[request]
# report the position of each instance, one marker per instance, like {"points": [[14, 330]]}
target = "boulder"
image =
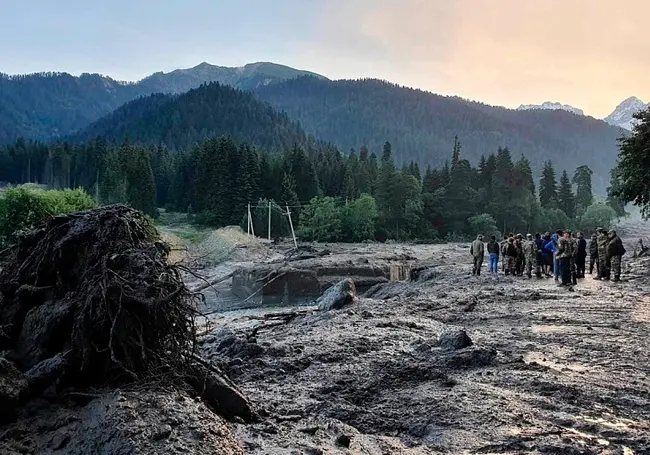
{"points": [[454, 339], [341, 294], [46, 329], [45, 373], [13, 385]]}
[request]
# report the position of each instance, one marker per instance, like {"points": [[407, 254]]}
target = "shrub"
{"points": [[321, 221], [598, 215], [24, 208]]}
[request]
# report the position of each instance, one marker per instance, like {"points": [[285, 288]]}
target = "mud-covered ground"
{"points": [[550, 370]]}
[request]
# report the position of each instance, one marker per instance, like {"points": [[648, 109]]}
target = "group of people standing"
{"points": [[560, 255]]}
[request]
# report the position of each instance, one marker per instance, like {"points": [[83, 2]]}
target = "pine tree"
{"points": [[385, 180], [141, 186], [613, 193], [387, 153], [455, 157], [526, 174], [428, 181], [349, 189], [548, 190], [501, 205], [415, 171], [566, 198], [288, 195], [349, 192], [584, 196], [304, 174], [268, 183]]}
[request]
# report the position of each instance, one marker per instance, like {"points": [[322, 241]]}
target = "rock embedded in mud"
{"points": [[454, 339], [45, 329], [13, 385], [338, 296]]}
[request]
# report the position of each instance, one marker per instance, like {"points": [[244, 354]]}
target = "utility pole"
{"points": [[269, 227], [293, 233], [250, 217], [248, 220]]}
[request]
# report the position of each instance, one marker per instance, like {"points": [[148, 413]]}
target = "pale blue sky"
{"points": [[588, 53]]}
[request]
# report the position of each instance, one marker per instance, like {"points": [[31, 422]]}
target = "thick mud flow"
{"points": [[547, 371]]}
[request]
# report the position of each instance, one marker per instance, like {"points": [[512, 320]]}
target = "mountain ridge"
{"points": [[552, 105], [50, 106], [183, 121], [623, 115]]}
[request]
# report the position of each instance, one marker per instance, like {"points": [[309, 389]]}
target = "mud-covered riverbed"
{"points": [[550, 371]]}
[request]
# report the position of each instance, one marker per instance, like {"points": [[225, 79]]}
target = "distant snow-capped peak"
{"points": [[551, 106], [624, 112]]}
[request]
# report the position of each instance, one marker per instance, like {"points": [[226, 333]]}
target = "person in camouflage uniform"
{"points": [[520, 262], [593, 253], [564, 254], [573, 259], [504, 252], [603, 263], [530, 256], [615, 252], [511, 256]]}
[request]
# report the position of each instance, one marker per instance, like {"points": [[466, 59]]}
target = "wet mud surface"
{"points": [[548, 371]]}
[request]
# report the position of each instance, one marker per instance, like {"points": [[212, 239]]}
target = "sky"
{"points": [[591, 54]]}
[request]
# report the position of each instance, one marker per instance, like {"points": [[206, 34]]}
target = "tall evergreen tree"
{"points": [[566, 198], [584, 196], [288, 195], [455, 156], [526, 174], [304, 174], [428, 181], [614, 199], [548, 190], [140, 183], [385, 188]]}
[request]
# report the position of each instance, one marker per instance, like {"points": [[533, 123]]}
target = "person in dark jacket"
{"points": [[603, 257], [593, 253], [547, 256], [494, 250], [581, 256], [615, 252]]}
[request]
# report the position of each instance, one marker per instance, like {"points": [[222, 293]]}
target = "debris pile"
{"points": [[89, 300]]}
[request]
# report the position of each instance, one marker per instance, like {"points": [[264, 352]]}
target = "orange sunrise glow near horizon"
{"points": [[591, 54]]}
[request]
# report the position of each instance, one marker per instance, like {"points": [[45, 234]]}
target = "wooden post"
{"points": [[269, 220], [293, 233], [248, 222]]}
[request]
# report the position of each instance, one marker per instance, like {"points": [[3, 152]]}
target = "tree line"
{"points": [[332, 196]]}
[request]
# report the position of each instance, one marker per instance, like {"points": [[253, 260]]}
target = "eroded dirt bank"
{"points": [[550, 371]]}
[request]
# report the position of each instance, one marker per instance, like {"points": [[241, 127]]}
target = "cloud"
{"points": [[591, 53]]}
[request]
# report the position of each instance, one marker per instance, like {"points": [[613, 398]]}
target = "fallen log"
{"points": [[219, 392], [212, 282]]}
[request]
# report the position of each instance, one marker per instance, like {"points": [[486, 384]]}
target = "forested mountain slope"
{"points": [[49, 106], [182, 121], [422, 126]]}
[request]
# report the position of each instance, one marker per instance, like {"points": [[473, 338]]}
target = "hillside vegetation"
{"points": [[422, 126]]}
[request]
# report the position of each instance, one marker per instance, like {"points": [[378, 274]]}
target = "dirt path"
{"points": [[550, 371]]}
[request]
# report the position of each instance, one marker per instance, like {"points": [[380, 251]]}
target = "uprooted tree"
{"points": [[89, 300]]}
